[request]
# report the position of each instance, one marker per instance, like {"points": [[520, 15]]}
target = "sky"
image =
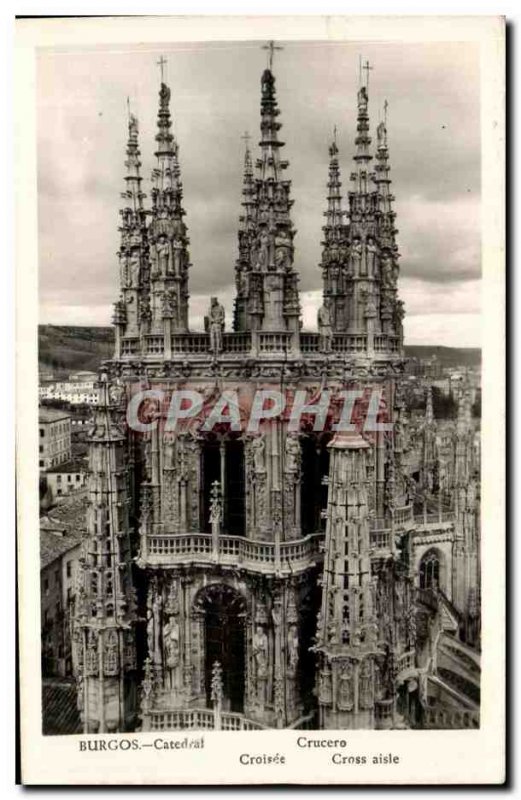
{"points": [[433, 92]]}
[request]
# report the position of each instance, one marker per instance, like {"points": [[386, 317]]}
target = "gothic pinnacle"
{"points": [[334, 214], [133, 164], [429, 412]]}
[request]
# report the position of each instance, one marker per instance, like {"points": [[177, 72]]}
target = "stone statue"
{"points": [[177, 244], [216, 317], [163, 254], [293, 645], [324, 326], [134, 263], [260, 652], [280, 194], [371, 254], [370, 306], [282, 250], [334, 274], [116, 394], [293, 455], [365, 685], [356, 255], [169, 451], [258, 447], [153, 628], [242, 283], [263, 243], [325, 689], [381, 135], [91, 655], [362, 98], [169, 303], [171, 643], [147, 685], [388, 281], [282, 260], [345, 688]]}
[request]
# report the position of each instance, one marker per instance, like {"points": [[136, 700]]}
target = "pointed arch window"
{"points": [[430, 570]]}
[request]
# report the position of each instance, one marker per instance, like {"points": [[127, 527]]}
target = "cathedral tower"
{"points": [[268, 290], [254, 576], [104, 650], [335, 246]]}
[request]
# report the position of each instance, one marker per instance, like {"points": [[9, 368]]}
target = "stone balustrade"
{"points": [[264, 343], [198, 719], [406, 662], [450, 718], [267, 557], [299, 554]]}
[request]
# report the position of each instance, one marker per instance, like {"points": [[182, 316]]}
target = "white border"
{"points": [[429, 756]]}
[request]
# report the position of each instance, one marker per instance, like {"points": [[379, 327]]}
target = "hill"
{"points": [[447, 356], [64, 348]]}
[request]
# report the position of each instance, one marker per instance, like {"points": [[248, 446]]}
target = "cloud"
{"points": [[434, 132]]}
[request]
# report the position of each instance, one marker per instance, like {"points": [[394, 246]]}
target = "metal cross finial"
{"points": [[367, 68], [386, 106], [161, 64], [271, 47], [128, 107], [246, 138], [334, 133]]}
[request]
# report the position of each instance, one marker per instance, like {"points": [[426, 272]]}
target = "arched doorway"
{"points": [[223, 610]]}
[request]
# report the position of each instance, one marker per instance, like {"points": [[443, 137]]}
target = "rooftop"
{"points": [[74, 465], [54, 544], [46, 414], [62, 528]]}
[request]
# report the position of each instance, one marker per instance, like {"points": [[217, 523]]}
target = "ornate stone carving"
{"points": [[366, 685], [325, 687], [110, 652], [293, 456], [345, 688]]}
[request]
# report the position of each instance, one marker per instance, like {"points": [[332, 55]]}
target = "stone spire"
{"points": [[464, 421], [363, 626], [271, 282], [334, 245], [347, 629], [463, 439], [391, 309], [246, 237], [429, 452], [168, 237], [429, 411], [104, 654], [133, 252], [363, 299]]}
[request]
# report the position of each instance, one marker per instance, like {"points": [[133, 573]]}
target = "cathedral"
{"points": [[315, 576]]}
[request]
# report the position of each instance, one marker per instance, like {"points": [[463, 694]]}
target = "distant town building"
{"points": [[79, 392], [61, 533], [54, 436], [66, 478], [83, 376], [45, 375]]}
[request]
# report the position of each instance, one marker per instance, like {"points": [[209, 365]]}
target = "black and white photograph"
{"points": [[259, 350]]}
